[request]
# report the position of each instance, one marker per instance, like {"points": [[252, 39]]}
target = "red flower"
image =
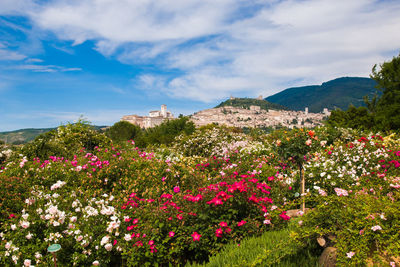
{"points": [[196, 236], [284, 216]]}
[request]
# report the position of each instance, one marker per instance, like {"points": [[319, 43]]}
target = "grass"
{"points": [[273, 248]]}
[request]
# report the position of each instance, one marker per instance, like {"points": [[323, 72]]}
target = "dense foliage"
{"points": [[123, 131], [382, 113]]}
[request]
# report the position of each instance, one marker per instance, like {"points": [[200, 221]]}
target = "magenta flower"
{"points": [[218, 232], [223, 224], [196, 236], [171, 234], [241, 223], [177, 189]]}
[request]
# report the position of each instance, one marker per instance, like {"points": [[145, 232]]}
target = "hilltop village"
{"points": [[258, 118], [252, 116]]}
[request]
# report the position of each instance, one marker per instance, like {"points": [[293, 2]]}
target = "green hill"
{"points": [[338, 93], [247, 102], [23, 136]]}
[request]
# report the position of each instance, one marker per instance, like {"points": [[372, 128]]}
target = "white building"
{"points": [[156, 117]]}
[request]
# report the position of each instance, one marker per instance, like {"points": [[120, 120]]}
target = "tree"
{"points": [[387, 115], [356, 118], [122, 131]]}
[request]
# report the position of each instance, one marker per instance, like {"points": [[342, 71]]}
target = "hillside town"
{"points": [[258, 118], [253, 116]]}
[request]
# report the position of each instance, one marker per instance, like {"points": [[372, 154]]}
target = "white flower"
{"points": [[52, 210], [79, 238], [27, 262], [350, 254], [73, 219], [15, 258], [108, 247], [8, 245], [96, 263], [57, 185], [267, 222], [376, 228], [107, 210], [38, 255], [24, 224], [28, 236], [104, 240], [25, 216], [274, 207], [56, 223], [127, 237]]}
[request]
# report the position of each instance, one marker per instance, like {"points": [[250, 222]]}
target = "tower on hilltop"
{"points": [[164, 111]]}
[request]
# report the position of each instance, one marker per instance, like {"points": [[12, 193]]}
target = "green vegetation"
{"points": [[65, 141], [123, 131], [166, 132], [335, 94], [247, 102], [382, 113], [273, 248]]}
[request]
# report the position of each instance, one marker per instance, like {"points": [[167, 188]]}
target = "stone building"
{"points": [[156, 117]]}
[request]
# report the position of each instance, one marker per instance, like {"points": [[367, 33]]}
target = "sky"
{"points": [[102, 59]]}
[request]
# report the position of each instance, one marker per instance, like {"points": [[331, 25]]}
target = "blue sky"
{"points": [[60, 59]]}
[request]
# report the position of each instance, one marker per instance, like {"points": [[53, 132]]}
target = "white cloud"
{"points": [[14, 7], [215, 48], [7, 54]]}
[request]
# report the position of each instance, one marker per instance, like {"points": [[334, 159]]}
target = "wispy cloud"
{"points": [[44, 68]]}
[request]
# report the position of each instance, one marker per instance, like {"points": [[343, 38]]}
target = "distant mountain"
{"points": [[338, 93], [247, 102], [23, 136]]}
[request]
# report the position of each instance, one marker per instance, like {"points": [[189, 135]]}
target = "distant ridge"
{"points": [[334, 94], [23, 136], [247, 102]]}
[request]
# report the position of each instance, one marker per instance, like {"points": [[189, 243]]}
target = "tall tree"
{"points": [[388, 106]]}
